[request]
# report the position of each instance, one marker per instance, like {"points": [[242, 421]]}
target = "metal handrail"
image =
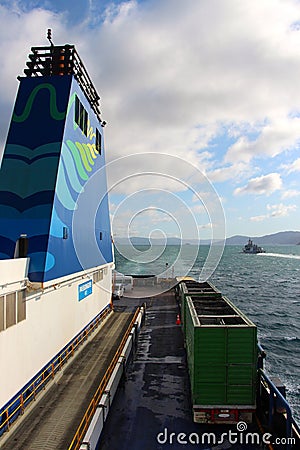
{"points": [[85, 422], [63, 60], [23, 280], [289, 417], [40, 381]]}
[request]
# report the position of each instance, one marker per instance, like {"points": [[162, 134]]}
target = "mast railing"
{"points": [[60, 61]]}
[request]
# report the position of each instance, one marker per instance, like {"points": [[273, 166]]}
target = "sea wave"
{"points": [[280, 255]]}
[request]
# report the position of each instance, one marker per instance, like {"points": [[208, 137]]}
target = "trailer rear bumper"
{"points": [[225, 414]]}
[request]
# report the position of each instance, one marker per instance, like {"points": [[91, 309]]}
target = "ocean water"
{"points": [[266, 287]]}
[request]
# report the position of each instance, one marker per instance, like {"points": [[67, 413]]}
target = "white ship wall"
{"points": [[53, 318]]}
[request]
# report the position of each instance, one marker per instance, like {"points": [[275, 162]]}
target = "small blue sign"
{"points": [[85, 289]]}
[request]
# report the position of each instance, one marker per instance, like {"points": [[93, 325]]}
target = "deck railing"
{"points": [[86, 420], [18, 404], [277, 397]]}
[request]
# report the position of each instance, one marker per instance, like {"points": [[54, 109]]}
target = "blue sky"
{"points": [[208, 89]]}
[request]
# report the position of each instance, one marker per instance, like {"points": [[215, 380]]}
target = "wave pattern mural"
{"points": [[54, 113], [29, 167], [80, 160], [47, 162]]}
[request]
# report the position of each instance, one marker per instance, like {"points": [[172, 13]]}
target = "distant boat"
{"points": [[253, 248]]}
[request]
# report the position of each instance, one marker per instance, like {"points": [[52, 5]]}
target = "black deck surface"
{"points": [[155, 397]]}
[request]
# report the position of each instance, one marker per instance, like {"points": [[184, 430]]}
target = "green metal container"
{"points": [[221, 344], [191, 287]]}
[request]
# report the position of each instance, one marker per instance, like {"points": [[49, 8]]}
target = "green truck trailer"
{"points": [[191, 287], [221, 345]]}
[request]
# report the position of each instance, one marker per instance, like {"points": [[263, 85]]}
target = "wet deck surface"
{"points": [[155, 397], [52, 423], [154, 394]]}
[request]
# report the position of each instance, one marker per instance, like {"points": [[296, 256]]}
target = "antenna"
{"points": [[49, 36]]}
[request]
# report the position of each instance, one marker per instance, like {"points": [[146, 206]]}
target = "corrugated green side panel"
{"points": [[240, 374], [210, 345], [241, 371], [210, 373], [224, 365], [240, 395], [210, 366], [241, 344], [210, 394]]}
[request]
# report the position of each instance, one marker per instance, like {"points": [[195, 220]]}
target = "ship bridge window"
{"points": [[98, 141], [81, 116]]}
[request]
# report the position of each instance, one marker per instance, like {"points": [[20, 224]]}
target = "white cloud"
{"points": [[281, 134], [264, 185], [293, 167], [166, 67], [205, 202], [19, 31], [289, 193], [276, 211], [229, 172], [259, 218], [206, 226], [156, 215], [281, 210]]}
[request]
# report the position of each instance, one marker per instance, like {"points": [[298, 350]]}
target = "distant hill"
{"points": [[281, 238], [135, 240]]}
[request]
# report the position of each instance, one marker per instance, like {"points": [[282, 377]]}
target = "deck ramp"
{"points": [[53, 421]]}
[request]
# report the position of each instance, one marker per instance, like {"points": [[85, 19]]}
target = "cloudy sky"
{"points": [[208, 91]]}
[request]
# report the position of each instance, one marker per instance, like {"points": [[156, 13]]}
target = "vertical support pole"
{"points": [[271, 408], [22, 403]]}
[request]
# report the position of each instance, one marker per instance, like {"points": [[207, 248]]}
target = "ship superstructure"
{"points": [[55, 238], [252, 249]]}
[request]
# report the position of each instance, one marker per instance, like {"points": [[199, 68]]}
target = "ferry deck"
{"points": [[152, 407]]}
